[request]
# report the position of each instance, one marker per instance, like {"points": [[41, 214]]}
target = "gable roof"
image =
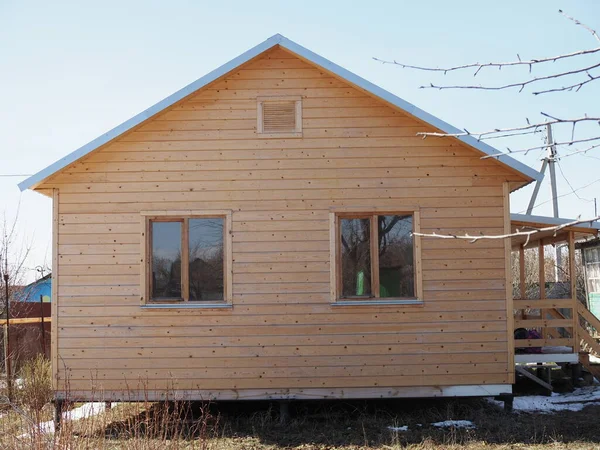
{"points": [[273, 41]]}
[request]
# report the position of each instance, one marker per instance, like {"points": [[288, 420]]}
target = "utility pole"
{"points": [[551, 162], [548, 162]]}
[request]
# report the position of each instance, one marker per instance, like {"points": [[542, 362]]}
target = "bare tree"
{"points": [[14, 250], [556, 272], [576, 71]]}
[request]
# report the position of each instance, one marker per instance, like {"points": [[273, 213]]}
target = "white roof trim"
{"points": [[550, 221], [277, 39]]}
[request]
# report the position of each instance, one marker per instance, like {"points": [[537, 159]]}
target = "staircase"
{"points": [[579, 330], [587, 332]]}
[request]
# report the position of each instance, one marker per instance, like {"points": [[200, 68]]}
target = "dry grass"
{"points": [[35, 388], [314, 425]]}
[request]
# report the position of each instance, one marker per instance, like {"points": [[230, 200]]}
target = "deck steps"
{"points": [[543, 377], [594, 369], [572, 369]]}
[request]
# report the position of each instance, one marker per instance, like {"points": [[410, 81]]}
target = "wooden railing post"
{"points": [[573, 280], [542, 283], [522, 271]]}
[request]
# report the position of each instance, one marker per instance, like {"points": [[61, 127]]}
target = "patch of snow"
{"points": [[454, 423], [571, 401], [402, 428], [82, 412], [85, 410], [594, 359]]}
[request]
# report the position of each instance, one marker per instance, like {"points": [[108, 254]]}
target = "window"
{"points": [[166, 260], [376, 256], [279, 116], [188, 258]]}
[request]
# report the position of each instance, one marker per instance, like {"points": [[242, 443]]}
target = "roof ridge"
{"points": [[276, 39]]}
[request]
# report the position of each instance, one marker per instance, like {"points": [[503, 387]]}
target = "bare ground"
{"points": [[365, 424], [358, 424], [317, 425]]}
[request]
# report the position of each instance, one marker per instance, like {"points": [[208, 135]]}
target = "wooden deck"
{"points": [[566, 327]]}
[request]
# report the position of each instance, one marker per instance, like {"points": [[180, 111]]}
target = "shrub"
{"points": [[35, 387]]}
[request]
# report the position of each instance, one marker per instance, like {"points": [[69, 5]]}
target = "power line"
{"points": [[585, 155], [570, 185], [564, 195]]}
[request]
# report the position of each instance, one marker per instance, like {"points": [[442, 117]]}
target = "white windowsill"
{"points": [[377, 302], [188, 306]]}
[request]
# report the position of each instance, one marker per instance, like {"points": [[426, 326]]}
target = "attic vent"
{"points": [[280, 116]]}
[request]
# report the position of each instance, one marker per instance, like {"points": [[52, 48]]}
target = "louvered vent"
{"points": [[280, 116]]}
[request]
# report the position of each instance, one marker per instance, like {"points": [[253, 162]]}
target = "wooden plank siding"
{"points": [[282, 331]]}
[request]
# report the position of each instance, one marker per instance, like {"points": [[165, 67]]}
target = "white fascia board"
{"points": [[277, 39], [408, 107], [32, 181], [552, 221]]}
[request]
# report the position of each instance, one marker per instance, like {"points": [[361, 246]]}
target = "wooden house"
{"points": [[250, 237]]}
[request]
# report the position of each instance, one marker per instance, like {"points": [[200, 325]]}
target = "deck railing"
{"points": [[589, 331], [553, 319], [560, 322]]}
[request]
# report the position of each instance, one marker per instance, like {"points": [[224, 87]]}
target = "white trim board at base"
{"points": [[534, 358], [476, 390]]}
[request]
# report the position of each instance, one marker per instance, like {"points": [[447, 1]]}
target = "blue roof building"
{"points": [[32, 292]]}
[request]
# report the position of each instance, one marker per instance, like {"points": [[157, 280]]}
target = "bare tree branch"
{"points": [[577, 22], [527, 233], [539, 147], [576, 87], [500, 133], [585, 73], [522, 84], [509, 132], [579, 152], [498, 65]]}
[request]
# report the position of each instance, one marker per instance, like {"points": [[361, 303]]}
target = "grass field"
{"points": [[313, 425]]}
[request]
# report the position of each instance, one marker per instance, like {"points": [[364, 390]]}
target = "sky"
{"points": [[72, 70]]}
